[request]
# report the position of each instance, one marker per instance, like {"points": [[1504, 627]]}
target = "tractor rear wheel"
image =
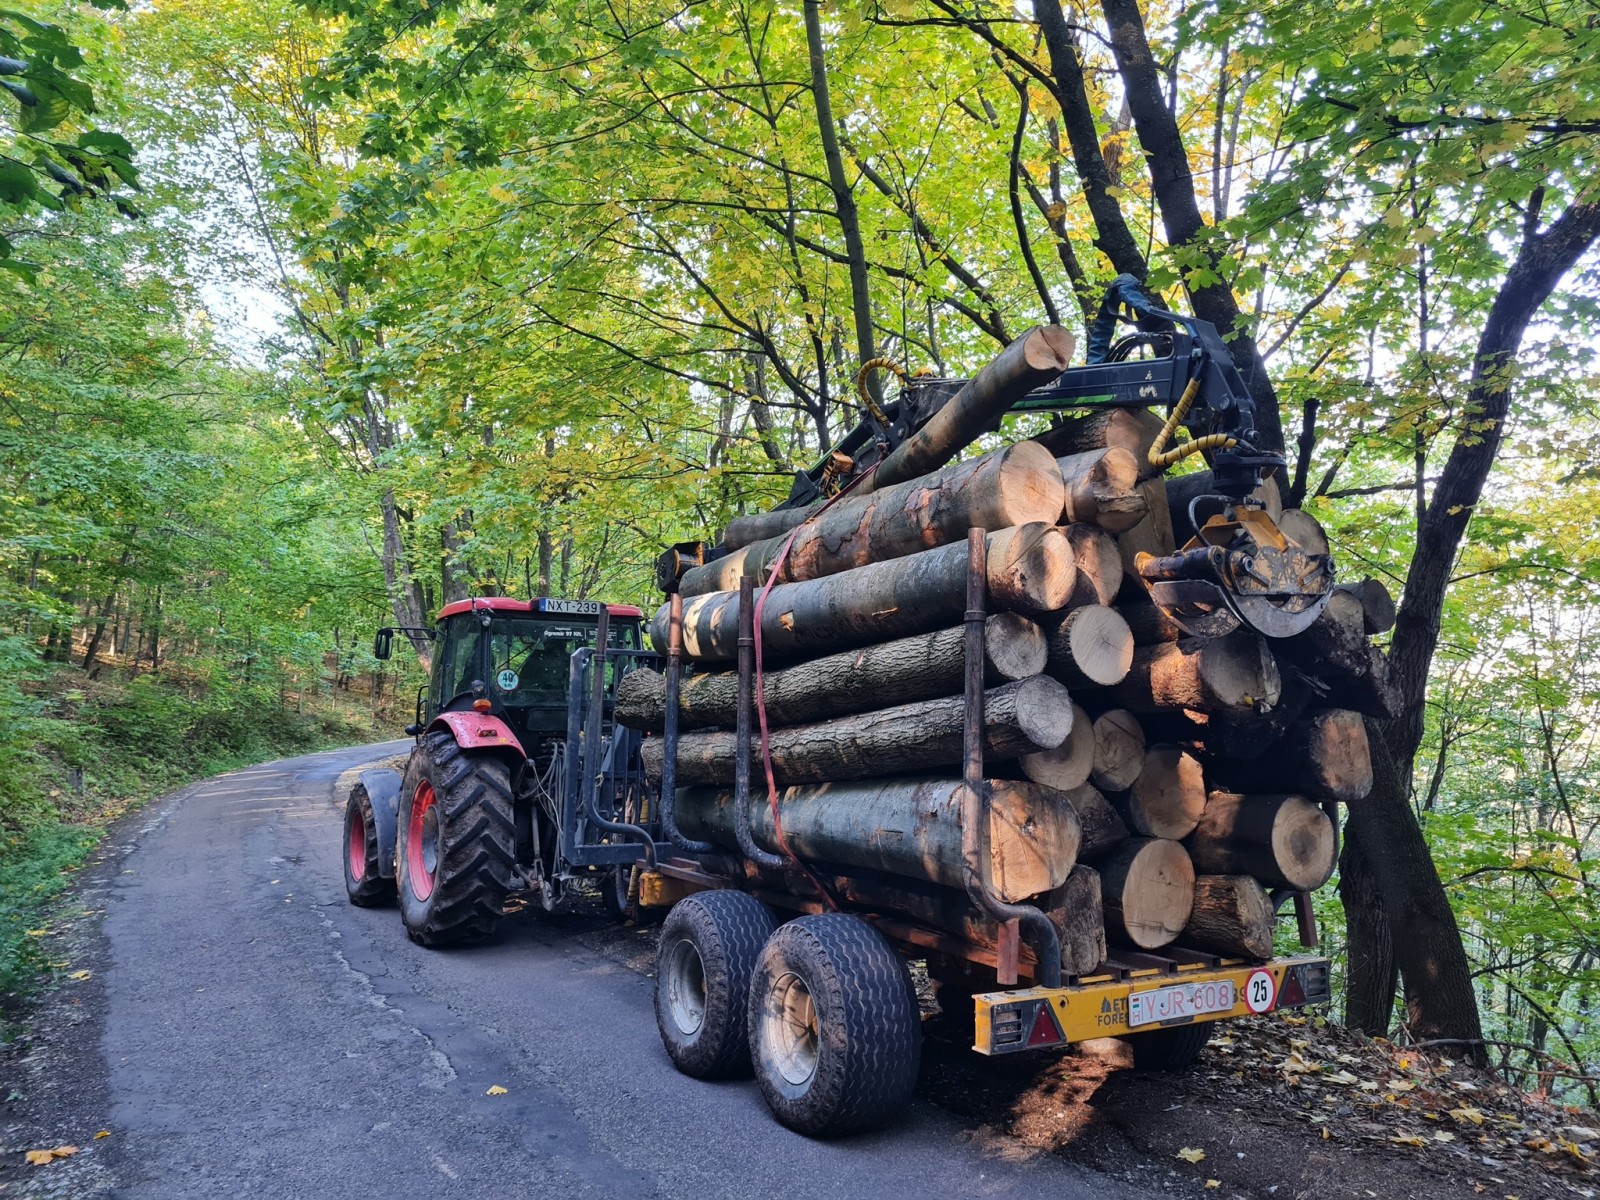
{"points": [[456, 852], [364, 881]]}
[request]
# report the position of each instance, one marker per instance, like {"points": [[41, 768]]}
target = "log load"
{"points": [[1019, 718], [1067, 764], [1152, 535], [923, 667], [1377, 606], [1132, 429], [1147, 890], [1325, 754], [1030, 570], [1119, 748], [1231, 914], [1349, 670], [1075, 909], [757, 527], [1091, 647], [909, 827], [1103, 489], [1168, 796], [1102, 827], [1280, 840], [1012, 486], [1099, 566], [1036, 358], [1235, 673]]}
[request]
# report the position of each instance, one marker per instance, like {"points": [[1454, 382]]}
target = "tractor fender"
{"points": [[479, 731], [383, 793]]}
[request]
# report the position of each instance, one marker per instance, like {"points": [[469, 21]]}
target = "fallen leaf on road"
{"points": [[1213, 1183], [39, 1157], [36, 932], [496, 1090], [1467, 1114], [1411, 1140], [1190, 1154], [102, 1133], [80, 976]]}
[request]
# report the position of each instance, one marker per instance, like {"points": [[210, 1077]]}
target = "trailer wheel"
{"points": [[835, 1034], [457, 842], [1170, 1049], [704, 960], [364, 881], [614, 883]]}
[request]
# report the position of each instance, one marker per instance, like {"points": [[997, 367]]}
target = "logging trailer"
{"points": [[786, 942]]}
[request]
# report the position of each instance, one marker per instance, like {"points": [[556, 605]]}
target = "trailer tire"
{"points": [[1170, 1049], [835, 1034], [704, 961], [364, 881], [456, 851]]}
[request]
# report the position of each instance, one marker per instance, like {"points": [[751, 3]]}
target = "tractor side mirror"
{"points": [[383, 643]]}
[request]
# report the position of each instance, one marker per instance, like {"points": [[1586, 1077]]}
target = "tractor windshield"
{"points": [[522, 661]]}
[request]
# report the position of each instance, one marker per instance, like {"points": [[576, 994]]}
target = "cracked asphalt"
{"points": [[258, 1036]]}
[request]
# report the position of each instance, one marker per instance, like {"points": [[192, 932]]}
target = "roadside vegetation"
{"points": [[314, 316]]}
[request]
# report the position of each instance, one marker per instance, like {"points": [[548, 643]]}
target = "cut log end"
{"points": [[1169, 795], [1118, 750], [1030, 568], [1092, 647], [1067, 764], [1147, 888]]}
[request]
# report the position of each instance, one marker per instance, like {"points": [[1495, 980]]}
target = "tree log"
{"points": [[1169, 795], [1103, 489], [1102, 827], [756, 527], [1147, 622], [1018, 718], [1099, 566], [909, 827], [923, 667], [1067, 764], [1118, 750], [1012, 486], [1300, 526], [1235, 673], [1036, 358], [1147, 888], [1152, 535], [1231, 914], [1131, 429], [1284, 841], [1325, 755], [1377, 605], [1075, 909], [1335, 652], [1091, 647], [1030, 570]]}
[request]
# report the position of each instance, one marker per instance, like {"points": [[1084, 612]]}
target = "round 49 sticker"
{"points": [[1260, 991]]}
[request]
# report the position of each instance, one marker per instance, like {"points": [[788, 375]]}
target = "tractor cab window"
{"points": [[530, 660]]}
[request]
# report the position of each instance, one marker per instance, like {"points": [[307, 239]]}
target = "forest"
{"points": [[315, 316]]}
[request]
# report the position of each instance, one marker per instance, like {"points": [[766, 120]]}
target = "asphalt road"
{"points": [[263, 1038]]}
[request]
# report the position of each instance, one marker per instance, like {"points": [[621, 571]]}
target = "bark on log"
{"points": [[1131, 429], [1377, 605], [909, 827], [1147, 888], [1091, 648], [1232, 915], [1235, 673], [1152, 535], [1099, 566], [1036, 358], [1182, 489], [1075, 909], [755, 527], [923, 667], [1119, 748], [1067, 764], [1018, 718], [1325, 755], [1169, 795], [1030, 570], [1102, 489], [1102, 827], [1148, 623], [1012, 486], [1300, 526], [1348, 669], [1284, 841]]}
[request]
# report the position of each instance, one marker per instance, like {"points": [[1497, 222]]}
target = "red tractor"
{"points": [[519, 780]]}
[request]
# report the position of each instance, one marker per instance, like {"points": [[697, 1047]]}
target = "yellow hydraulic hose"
{"points": [[1162, 458]]}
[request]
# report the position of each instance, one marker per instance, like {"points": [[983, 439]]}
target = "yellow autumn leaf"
{"points": [[35, 932], [1191, 1155], [80, 976], [503, 194], [104, 1133], [496, 1090], [38, 1158], [1409, 1140], [1467, 1114], [1213, 1183]]}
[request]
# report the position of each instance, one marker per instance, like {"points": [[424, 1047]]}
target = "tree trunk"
{"points": [[1130, 429], [1231, 914], [924, 667], [1147, 888], [909, 827], [1372, 979], [1091, 648], [1029, 570], [1018, 718], [1326, 755], [1235, 673], [756, 527], [1152, 535], [1284, 841], [1013, 486], [1377, 605], [1335, 651], [1077, 912], [1102, 827]]}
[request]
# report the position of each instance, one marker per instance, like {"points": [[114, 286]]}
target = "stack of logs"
{"points": [[1145, 787]]}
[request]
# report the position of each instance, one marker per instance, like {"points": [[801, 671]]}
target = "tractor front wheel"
{"points": [[364, 880], [456, 851]]}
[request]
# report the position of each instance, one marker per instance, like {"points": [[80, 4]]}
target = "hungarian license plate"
{"points": [[1180, 1001], [576, 608]]}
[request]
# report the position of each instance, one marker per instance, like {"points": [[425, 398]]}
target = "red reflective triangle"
{"points": [[1293, 992], [1045, 1031]]}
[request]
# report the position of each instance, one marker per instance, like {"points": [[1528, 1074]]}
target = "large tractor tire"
{"points": [[364, 880], [704, 960], [456, 855], [1170, 1049], [835, 1034]]}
